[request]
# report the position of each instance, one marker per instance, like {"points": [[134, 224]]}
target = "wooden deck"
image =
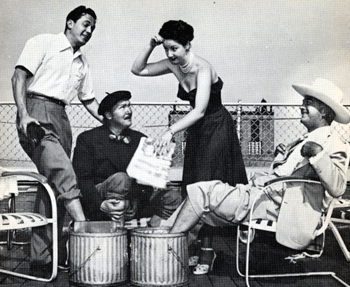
{"points": [[267, 256]]}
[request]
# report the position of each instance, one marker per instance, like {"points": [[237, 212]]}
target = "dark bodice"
{"points": [[212, 149], [214, 100]]}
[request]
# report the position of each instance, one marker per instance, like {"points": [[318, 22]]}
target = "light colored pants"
{"points": [[52, 159], [219, 204]]}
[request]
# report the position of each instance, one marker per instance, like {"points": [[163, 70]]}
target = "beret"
{"points": [[111, 99]]}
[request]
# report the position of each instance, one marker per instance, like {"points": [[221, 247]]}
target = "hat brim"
{"points": [[342, 114]]}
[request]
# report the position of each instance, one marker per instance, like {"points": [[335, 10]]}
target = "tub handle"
{"points": [[183, 265], [84, 263]]}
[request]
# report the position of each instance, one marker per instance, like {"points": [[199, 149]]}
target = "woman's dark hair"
{"points": [[78, 12], [178, 31]]}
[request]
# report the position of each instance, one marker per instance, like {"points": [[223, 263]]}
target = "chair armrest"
{"points": [[290, 178], [285, 179], [37, 176]]}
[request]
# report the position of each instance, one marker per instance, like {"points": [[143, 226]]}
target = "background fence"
{"points": [[260, 127]]}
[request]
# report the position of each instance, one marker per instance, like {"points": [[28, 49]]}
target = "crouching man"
{"points": [[101, 157]]}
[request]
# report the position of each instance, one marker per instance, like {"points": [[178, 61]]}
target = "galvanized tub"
{"points": [[158, 258], [98, 254]]}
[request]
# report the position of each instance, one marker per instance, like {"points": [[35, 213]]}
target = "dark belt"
{"points": [[48, 99]]}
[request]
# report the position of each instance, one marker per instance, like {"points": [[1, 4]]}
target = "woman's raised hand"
{"points": [[156, 40]]}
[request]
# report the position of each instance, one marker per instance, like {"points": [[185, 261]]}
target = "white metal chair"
{"points": [[270, 226], [12, 221], [26, 187]]}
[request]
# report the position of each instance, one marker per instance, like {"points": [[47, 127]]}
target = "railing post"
{"points": [[239, 120]]}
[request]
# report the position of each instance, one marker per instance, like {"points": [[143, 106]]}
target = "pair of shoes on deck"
{"points": [[202, 269]]}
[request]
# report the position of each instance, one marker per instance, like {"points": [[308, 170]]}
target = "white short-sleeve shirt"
{"points": [[57, 71]]}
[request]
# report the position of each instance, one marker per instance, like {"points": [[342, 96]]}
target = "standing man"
{"points": [[49, 74], [101, 157]]}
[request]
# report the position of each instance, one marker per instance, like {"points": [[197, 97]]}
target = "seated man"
{"points": [[101, 157], [320, 155]]}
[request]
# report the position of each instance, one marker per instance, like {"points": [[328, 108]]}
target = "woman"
{"points": [[212, 148]]}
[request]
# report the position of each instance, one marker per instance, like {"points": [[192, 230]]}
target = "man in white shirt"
{"points": [[49, 74]]}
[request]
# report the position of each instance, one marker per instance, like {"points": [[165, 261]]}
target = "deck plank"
{"points": [[271, 256], [200, 281], [11, 259]]}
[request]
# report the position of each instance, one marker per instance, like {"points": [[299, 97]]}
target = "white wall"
{"points": [[258, 47]]}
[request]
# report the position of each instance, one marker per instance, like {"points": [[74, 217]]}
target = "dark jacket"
{"points": [[96, 157]]}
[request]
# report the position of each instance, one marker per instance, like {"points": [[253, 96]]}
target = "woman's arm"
{"points": [[142, 68], [201, 103]]}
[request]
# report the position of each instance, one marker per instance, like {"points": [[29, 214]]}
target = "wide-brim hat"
{"points": [[328, 93], [111, 99]]}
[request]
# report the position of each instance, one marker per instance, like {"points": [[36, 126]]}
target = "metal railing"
{"points": [[260, 127]]}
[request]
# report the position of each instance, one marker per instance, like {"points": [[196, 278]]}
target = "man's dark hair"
{"points": [[78, 12], [329, 113]]}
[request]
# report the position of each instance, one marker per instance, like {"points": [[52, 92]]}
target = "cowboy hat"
{"points": [[328, 93]]}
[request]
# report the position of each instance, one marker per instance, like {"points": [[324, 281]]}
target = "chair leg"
{"points": [[54, 259], [340, 241], [52, 221], [247, 258], [237, 253], [10, 233], [9, 239], [247, 276]]}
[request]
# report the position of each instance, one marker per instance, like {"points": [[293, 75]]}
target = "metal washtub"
{"points": [[158, 258], [98, 254]]}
